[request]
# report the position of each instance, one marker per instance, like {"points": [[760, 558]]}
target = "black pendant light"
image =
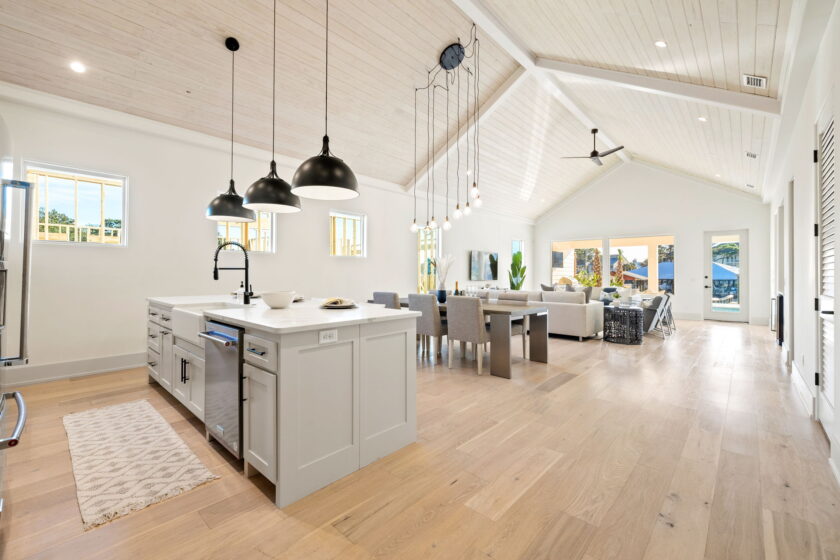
{"points": [[227, 207], [325, 177], [271, 193]]}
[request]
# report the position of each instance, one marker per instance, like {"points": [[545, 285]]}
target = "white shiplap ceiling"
{"points": [[166, 61]]}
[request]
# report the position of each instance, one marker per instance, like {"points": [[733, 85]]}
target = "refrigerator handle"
{"points": [[24, 295], [14, 439]]}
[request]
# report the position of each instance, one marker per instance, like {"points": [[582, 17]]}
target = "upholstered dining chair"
{"points": [[391, 300], [429, 325], [465, 320], [522, 298]]}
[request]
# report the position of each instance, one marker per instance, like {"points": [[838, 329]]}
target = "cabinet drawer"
{"points": [[153, 314], [260, 352], [153, 363], [166, 319], [153, 337]]}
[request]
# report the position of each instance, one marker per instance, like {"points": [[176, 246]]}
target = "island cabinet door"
{"points": [[260, 420], [195, 385], [388, 388], [318, 412], [180, 383]]}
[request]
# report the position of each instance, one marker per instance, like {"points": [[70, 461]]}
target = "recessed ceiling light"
{"points": [[77, 67], [717, 175], [701, 119], [661, 44]]}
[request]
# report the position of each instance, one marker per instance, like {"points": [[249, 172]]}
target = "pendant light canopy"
{"points": [[325, 177], [227, 207], [271, 193]]}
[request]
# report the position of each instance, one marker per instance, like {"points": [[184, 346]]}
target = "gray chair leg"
{"points": [[480, 357], [450, 346]]}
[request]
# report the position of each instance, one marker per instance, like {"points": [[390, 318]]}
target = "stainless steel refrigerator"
{"points": [[16, 200]]}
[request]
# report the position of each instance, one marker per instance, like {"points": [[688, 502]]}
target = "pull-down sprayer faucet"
{"points": [[246, 298]]}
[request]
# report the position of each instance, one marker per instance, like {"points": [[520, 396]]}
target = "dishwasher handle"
{"points": [[218, 338], [14, 439]]}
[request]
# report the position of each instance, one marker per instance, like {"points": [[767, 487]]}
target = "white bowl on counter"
{"points": [[278, 300]]}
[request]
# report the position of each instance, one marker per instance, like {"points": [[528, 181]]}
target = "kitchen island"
{"points": [[325, 392]]}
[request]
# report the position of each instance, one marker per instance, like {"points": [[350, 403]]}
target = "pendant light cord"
{"points": [[458, 143], [326, 69], [447, 146], [273, 76], [415, 154], [232, 77], [428, 151]]}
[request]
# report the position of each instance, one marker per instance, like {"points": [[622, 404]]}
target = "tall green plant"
{"points": [[516, 275]]}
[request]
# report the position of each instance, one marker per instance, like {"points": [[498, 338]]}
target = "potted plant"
{"points": [[516, 274], [441, 266], [616, 299]]}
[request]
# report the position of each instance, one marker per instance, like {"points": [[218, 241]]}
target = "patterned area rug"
{"points": [[126, 457]]}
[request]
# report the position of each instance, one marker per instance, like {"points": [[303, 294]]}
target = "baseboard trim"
{"points": [[802, 389], [835, 470], [26, 375]]}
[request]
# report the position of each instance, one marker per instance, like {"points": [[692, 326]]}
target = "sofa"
{"points": [[568, 312]]}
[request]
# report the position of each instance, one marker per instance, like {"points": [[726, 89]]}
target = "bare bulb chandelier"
{"points": [[444, 93]]}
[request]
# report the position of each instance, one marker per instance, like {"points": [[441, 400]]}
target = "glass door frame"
{"points": [[743, 314]]}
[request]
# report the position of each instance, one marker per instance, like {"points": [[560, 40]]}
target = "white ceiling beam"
{"points": [[487, 108], [762, 105], [496, 30]]}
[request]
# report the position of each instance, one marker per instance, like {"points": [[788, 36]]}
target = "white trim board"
{"points": [[27, 375], [762, 105]]}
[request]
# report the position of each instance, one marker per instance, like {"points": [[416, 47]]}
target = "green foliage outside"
{"points": [[516, 275]]}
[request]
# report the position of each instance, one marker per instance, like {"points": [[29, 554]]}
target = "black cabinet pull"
{"points": [[255, 351], [828, 312]]}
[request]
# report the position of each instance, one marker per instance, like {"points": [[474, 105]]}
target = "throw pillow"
{"points": [[587, 291], [547, 287], [570, 288]]}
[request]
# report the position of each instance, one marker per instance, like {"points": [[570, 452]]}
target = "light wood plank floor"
{"points": [[690, 448]]}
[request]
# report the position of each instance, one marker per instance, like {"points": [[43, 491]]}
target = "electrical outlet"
{"points": [[328, 337]]}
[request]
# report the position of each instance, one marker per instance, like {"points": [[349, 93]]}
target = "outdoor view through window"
{"points": [[645, 263], [78, 207]]}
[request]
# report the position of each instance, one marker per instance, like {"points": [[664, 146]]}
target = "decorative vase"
{"points": [[441, 295]]}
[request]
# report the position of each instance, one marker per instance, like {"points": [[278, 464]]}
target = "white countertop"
{"points": [[302, 316], [176, 301]]}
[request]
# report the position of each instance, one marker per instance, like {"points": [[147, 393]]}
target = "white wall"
{"points": [[636, 199], [493, 233], [820, 94], [88, 302]]}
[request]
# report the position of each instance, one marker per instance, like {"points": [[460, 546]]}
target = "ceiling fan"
{"points": [[595, 155]]}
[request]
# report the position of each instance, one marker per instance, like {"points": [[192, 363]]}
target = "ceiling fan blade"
{"points": [[596, 161], [608, 152], [575, 157]]}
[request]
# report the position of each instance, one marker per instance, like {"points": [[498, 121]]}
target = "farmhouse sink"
{"points": [[188, 320]]}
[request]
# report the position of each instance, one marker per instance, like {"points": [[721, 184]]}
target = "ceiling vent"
{"points": [[754, 81], [752, 155], [749, 186]]}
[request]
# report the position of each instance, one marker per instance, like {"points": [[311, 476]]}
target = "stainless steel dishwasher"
{"points": [[223, 385]]}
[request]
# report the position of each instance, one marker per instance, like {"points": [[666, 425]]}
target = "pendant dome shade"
{"points": [[271, 194], [227, 207], [325, 177]]}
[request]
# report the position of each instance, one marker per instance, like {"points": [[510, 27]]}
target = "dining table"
{"points": [[501, 315]]}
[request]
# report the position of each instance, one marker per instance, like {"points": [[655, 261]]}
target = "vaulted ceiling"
{"points": [[550, 71]]}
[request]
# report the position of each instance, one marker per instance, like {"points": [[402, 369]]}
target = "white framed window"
{"points": [[257, 236], [79, 207], [348, 234], [517, 246]]}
